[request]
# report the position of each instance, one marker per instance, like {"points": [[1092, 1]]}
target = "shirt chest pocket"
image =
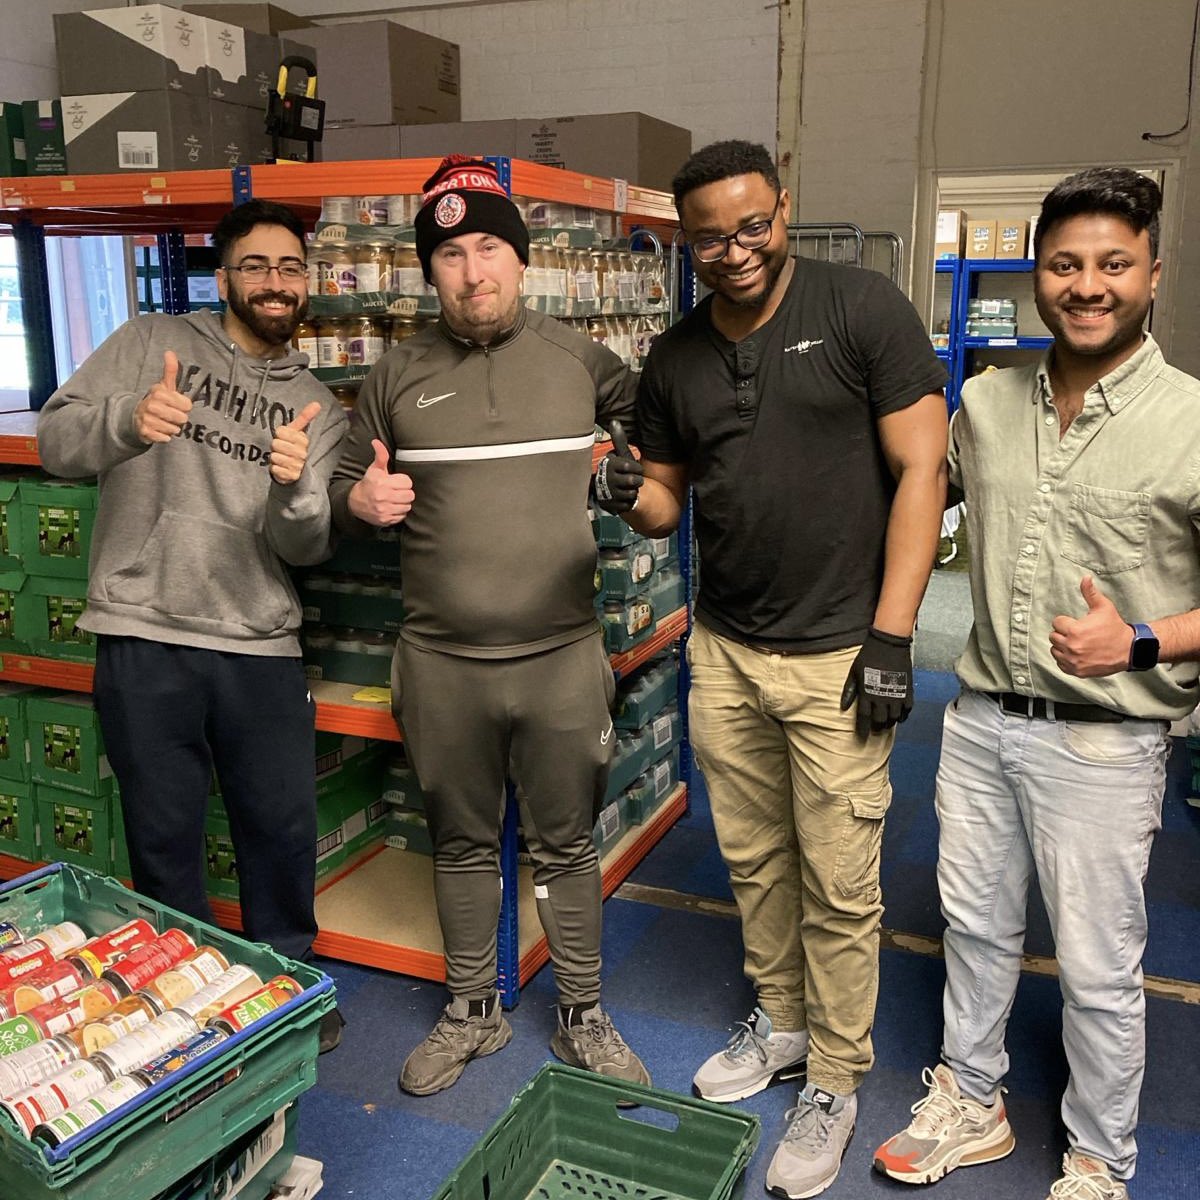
{"points": [[1106, 529]]}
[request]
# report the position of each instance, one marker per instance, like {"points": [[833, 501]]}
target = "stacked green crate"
{"points": [[406, 826], [12, 570]]}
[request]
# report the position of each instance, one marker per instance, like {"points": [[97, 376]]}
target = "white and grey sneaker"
{"points": [[754, 1057], [808, 1159]]}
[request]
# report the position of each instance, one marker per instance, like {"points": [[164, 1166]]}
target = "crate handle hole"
{"points": [[647, 1114]]}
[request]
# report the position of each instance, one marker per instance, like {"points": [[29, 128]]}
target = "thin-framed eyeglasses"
{"points": [[256, 271], [712, 247]]}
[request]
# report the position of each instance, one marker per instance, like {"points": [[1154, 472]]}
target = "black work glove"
{"points": [[882, 679], [619, 476]]}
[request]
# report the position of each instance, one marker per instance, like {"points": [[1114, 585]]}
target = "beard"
{"points": [[274, 330], [772, 269]]}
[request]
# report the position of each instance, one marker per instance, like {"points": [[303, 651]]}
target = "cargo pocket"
{"points": [[857, 866]]}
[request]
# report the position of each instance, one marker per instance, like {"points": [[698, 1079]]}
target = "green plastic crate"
{"points": [[570, 1134], [142, 1148]]}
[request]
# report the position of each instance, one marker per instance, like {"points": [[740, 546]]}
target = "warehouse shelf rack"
{"points": [[356, 926], [965, 275]]}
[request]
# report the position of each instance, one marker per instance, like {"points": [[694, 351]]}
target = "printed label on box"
{"points": [[7, 606], [610, 820], [10, 819], [137, 151], [61, 746], [61, 614], [73, 828], [58, 532], [662, 778]]}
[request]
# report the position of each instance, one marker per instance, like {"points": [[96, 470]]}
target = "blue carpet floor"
{"points": [[674, 986]]}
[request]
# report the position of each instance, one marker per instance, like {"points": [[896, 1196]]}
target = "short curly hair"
{"points": [[723, 160], [1116, 191]]}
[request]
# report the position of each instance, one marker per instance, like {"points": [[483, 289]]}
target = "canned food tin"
{"points": [[14, 970], [196, 971], [19, 1032], [372, 210], [87, 1112], [101, 952], [55, 1095], [56, 979], [274, 994], [228, 988], [135, 1049], [59, 939], [339, 210], [179, 1056], [147, 962], [10, 935], [34, 1063], [70, 1011], [401, 209], [131, 1013]]}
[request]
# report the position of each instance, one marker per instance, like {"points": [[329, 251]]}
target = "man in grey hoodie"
{"points": [[214, 446]]}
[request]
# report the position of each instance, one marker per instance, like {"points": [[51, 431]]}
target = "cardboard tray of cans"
{"points": [[183, 1121]]}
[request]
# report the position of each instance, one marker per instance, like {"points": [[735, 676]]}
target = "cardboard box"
{"points": [[350, 143], [57, 517], [476, 138], [47, 612], [630, 146], [18, 820], [14, 735], [45, 146], [15, 621], [381, 73], [950, 238], [138, 131], [12, 139], [243, 66], [10, 523], [1011, 238], [140, 49], [1029, 250], [73, 827], [237, 136], [981, 238], [261, 18], [66, 748]]}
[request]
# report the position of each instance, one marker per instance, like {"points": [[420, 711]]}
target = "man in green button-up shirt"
{"points": [[1081, 476]]}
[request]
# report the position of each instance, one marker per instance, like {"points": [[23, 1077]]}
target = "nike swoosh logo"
{"points": [[605, 736], [424, 403]]}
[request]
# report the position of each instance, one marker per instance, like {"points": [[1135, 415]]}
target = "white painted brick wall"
{"points": [[708, 65]]}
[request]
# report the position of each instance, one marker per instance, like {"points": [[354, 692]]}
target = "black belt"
{"points": [[1054, 710]]}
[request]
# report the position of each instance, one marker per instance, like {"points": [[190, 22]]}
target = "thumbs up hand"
{"points": [[289, 446], [162, 412], [379, 497], [1095, 644], [619, 475]]}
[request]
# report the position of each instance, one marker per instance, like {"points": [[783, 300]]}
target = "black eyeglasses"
{"points": [[712, 247], [254, 271]]}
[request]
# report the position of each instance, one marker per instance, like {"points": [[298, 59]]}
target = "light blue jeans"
{"points": [[1078, 804]]}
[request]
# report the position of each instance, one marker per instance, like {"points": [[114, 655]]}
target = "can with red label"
{"points": [[57, 979], [147, 962], [101, 952], [139, 1047], [76, 1008], [199, 1043], [55, 1095], [13, 970], [10, 935], [275, 993], [34, 1063], [88, 1112], [59, 939]]}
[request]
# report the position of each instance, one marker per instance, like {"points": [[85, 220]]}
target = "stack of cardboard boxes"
{"points": [[960, 236]]}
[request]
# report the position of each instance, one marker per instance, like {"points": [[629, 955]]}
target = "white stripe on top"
{"points": [[507, 450]]}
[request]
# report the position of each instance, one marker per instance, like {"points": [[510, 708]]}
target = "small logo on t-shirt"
{"points": [[805, 346]]}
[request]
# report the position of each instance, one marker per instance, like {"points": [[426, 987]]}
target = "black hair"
{"points": [[238, 222], [723, 160], [1117, 191]]}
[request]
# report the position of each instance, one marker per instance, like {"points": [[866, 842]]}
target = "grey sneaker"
{"points": [[1086, 1178], [456, 1039], [754, 1057], [595, 1045], [810, 1155], [948, 1130]]}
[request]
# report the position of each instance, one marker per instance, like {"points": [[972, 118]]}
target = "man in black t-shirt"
{"points": [[803, 404]]}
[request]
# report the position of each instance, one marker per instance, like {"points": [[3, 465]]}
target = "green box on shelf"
{"points": [[402, 788], [378, 555], [14, 730], [48, 609], [622, 1138], [627, 623], [12, 139], [16, 597], [10, 522], [641, 695], [220, 865], [66, 749], [363, 824], [375, 606], [610, 531], [406, 830], [74, 828], [188, 1119], [57, 517], [631, 756], [642, 798], [623, 571], [18, 820], [610, 825]]}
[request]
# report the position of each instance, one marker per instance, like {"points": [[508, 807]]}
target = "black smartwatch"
{"points": [[1143, 652]]}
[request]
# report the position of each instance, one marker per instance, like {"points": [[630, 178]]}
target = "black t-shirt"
{"points": [[791, 489]]}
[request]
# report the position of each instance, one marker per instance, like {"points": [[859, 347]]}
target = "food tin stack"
{"points": [[135, 1042]]}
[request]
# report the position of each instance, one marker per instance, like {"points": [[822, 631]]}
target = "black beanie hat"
{"points": [[465, 195]]}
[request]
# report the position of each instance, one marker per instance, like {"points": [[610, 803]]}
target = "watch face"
{"points": [[1143, 654]]}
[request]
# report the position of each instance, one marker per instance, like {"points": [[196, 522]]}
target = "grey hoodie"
{"points": [[192, 535]]}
